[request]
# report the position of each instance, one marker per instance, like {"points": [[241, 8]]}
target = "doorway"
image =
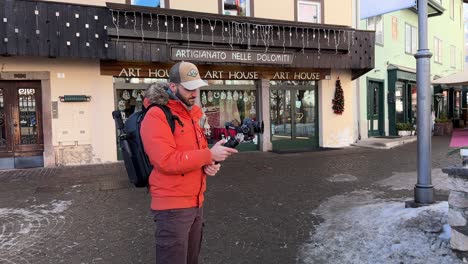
{"points": [[294, 117], [375, 108], [21, 136]]}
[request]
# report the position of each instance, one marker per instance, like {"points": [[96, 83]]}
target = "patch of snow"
{"points": [[60, 206], [359, 228], [342, 178], [445, 235]]}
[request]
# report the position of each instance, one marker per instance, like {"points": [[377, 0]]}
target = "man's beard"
{"points": [[184, 100]]}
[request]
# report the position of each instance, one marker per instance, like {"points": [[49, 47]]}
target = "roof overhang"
{"points": [[434, 8], [456, 79]]}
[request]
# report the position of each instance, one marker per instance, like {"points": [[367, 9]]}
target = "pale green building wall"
{"points": [[393, 52]]}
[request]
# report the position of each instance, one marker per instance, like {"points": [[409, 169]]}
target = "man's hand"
{"points": [[220, 152], [212, 169]]}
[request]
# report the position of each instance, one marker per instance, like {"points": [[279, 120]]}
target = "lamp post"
{"points": [[423, 190]]}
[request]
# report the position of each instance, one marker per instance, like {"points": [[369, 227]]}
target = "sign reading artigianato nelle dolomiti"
{"points": [[213, 55]]}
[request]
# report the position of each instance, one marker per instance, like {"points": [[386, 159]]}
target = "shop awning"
{"points": [[459, 79]]}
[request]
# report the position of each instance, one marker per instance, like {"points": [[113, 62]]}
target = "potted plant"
{"points": [[443, 126], [405, 129]]}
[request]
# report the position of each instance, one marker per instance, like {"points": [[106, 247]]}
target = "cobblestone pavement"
{"points": [[258, 209]]}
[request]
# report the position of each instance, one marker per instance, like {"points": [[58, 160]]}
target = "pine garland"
{"points": [[338, 101]]}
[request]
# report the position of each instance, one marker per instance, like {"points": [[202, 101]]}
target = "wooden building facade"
{"points": [[65, 67]]}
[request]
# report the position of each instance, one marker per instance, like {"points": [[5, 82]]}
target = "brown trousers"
{"points": [[179, 233]]}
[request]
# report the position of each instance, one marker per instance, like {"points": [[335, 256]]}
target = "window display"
{"points": [[129, 101], [230, 113], [230, 108]]}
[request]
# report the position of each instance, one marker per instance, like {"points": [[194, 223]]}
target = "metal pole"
{"points": [[423, 190]]}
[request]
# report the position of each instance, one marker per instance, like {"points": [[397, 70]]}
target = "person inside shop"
{"points": [[181, 161]]}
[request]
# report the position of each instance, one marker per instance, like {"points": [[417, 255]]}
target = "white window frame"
{"points": [[312, 3], [453, 59], [247, 10], [438, 50], [161, 3], [379, 29], [411, 44]]}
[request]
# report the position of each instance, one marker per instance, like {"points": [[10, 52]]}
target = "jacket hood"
{"points": [[156, 94]]}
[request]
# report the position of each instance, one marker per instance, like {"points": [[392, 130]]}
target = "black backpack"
{"points": [[135, 159]]}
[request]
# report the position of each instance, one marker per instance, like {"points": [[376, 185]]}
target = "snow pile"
{"points": [[359, 228]]}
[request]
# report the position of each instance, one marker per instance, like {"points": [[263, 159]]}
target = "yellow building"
{"points": [[67, 65]]}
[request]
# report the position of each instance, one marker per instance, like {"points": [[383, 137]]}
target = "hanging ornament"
{"points": [[216, 95], [173, 24], [252, 110], [235, 96], [134, 22], [188, 33], [165, 24], [212, 27], [157, 25], [125, 95], [337, 41], [141, 27], [229, 95], [138, 104], [210, 96], [252, 97], [246, 97], [223, 95], [121, 105], [203, 99], [135, 93], [201, 28]]}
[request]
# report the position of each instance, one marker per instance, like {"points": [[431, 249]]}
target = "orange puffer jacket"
{"points": [[177, 179]]}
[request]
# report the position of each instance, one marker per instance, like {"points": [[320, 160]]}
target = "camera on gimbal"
{"points": [[248, 128]]}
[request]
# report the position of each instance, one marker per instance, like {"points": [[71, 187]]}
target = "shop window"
{"points": [[456, 105], [376, 23], [411, 39], [399, 103], [308, 11], [231, 112], [236, 7], [150, 3], [437, 50], [129, 94]]}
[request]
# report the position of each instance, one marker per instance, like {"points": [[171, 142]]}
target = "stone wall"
{"points": [[458, 207]]}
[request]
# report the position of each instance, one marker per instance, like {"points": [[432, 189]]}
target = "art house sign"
{"points": [[236, 74]]}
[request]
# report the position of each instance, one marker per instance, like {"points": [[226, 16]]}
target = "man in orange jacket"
{"points": [[181, 161]]}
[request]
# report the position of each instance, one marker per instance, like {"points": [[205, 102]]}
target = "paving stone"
{"points": [[257, 210]]}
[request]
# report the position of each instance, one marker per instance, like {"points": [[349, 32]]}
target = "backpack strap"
{"points": [[169, 116]]}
